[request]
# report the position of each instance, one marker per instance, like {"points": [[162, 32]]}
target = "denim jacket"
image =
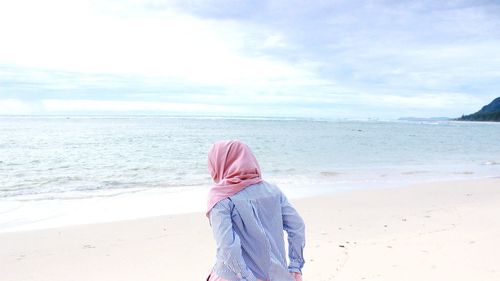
{"points": [[249, 231]]}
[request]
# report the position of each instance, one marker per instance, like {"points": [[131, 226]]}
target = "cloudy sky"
{"points": [[334, 59]]}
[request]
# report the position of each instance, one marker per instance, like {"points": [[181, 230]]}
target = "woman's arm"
{"points": [[228, 242], [295, 228]]}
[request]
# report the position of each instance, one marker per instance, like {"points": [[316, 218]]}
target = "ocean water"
{"points": [[69, 170]]}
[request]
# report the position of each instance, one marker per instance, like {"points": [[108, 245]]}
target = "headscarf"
{"points": [[233, 167]]}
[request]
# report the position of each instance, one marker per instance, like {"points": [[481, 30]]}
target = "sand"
{"points": [[427, 231]]}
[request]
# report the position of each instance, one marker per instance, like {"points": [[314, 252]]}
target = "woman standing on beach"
{"points": [[248, 216]]}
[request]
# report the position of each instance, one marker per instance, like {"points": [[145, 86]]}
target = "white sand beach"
{"points": [[427, 231]]}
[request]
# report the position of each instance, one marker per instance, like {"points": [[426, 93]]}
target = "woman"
{"points": [[248, 216]]}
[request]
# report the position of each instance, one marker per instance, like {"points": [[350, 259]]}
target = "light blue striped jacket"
{"points": [[248, 229]]}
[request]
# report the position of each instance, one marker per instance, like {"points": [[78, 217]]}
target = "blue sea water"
{"points": [[52, 166]]}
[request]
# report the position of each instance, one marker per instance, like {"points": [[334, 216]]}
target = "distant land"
{"points": [[425, 119], [490, 112]]}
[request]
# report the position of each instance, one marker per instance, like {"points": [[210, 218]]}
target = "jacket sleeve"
{"points": [[228, 241], [294, 225]]}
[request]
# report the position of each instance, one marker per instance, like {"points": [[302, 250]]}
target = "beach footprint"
{"points": [[88, 246]]}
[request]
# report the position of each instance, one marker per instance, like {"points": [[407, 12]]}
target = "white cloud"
{"points": [[63, 35], [274, 41]]}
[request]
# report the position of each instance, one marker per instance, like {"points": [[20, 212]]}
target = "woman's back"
{"points": [[248, 227], [248, 217]]}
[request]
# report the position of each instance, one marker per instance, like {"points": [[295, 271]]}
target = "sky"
{"points": [[286, 58]]}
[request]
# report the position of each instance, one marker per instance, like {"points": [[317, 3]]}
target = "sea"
{"points": [[66, 170]]}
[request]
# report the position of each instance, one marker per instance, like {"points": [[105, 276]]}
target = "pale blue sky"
{"points": [[334, 59]]}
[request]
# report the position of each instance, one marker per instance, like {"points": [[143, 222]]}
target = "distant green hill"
{"points": [[490, 112]]}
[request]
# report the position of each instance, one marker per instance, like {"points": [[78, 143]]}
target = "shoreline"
{"points": [[49, 214], [426, 231], [20, 216]]}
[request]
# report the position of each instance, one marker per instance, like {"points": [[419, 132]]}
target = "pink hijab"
{"points": [[233, 167]]}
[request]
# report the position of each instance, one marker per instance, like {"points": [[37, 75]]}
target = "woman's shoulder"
{"points": [[271, 186], [225, 203], [261, 189]]}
